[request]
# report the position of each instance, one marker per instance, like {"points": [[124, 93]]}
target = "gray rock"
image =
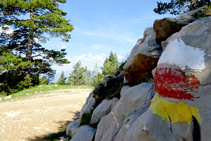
{"points": [[88, 106], [132, 99], [198, 27], [103, 109], [84, 133], [188, 56], [72, 127]]}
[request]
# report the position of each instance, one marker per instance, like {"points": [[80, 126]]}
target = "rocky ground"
{"points": [[32, 118]]}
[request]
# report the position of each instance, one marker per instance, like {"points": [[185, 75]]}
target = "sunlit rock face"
{"points": [[103, 109], [167, 26], [143, 59], [198, 27], [182, 85], [133, 102], [72, 128], [88, 106], [84, 133]]}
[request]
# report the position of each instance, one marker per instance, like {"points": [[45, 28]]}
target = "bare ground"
{"points": [[32, 118]]}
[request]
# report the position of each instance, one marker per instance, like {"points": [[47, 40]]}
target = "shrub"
{"points": [[85, 119]]}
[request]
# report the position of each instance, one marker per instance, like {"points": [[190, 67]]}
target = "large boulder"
{"points": [[167, 26], [143, 59], [182, 84], [197, 27], [84, 133], [103, 109], [72, 128], [133, 102], [88, 106]]}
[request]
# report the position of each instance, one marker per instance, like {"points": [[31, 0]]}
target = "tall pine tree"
{"points": [[110, 64], [62, 79], [45, 20], [80, 75]]}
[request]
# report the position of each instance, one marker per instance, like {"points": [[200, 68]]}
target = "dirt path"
{"points": [[33, 117]]}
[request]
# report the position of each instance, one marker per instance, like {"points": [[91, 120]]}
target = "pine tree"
{"points": [[45, 18], [176, 7], [107, 68], [110, 64], [114, 59], [44, 80], [80, 75], [11, 77], [9, 62], [62, 79], [97, 76]]}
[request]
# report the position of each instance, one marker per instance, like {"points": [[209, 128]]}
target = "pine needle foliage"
{"points": [[42, 20], [177, 7]]}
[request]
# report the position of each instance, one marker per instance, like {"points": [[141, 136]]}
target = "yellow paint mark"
{"points": [[177, 112]]}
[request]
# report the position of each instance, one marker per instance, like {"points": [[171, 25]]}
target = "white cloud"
{"points": [[63, 46], [86, 60], [120, 57], [5, 29]]}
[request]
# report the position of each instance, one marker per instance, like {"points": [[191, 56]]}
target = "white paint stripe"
{"points": [[179, 54]]}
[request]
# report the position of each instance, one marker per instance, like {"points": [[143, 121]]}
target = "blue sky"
{"points": [[102, 26]]}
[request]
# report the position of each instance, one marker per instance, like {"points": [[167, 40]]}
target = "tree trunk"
{"points": [[30, 40], [30, 45]]}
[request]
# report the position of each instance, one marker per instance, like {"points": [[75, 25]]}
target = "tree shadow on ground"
{"points": [[60, 133]]}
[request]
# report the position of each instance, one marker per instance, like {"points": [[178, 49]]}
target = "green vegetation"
{"points": [[21, 53], [62, 79], [177, 7], [43, 89], [44, 80], [56, 136], [80, 75], [110, 64], [85, 119]]}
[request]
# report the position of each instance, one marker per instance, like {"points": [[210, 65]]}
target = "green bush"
{"points": [[85, 119], [12, 82]]}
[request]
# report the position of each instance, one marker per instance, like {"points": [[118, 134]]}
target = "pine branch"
{"points": [[18, 47], [37, 55]]}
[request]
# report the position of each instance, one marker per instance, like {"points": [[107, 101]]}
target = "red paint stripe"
{"points": [[173, 83]]}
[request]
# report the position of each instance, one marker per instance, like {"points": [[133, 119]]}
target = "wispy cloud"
{"points": [[120, 57], [96, 47], [111, 33], [63, 46], [88, 60]]}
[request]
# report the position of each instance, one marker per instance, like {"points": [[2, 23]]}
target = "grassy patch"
{"points": [[42, 89]]}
